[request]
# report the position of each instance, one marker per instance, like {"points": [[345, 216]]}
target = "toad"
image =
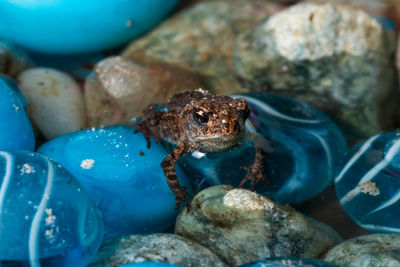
{"points": [[199, 121]]}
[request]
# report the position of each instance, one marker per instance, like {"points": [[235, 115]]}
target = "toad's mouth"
{"points": [[217, 143]]}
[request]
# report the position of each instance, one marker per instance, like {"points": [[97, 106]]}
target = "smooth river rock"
{"points": [[55, 101], [378, 250], [333, 56], [119, 89], [155, 247], [201, 38], [241, 226]]}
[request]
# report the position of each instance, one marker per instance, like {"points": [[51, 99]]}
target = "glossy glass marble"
{"points": [[307, 150], [46, 216], [14, 86], [289, 262], [123, 176], [75, 27], [15, 128], [368, 186], [149, 264]]}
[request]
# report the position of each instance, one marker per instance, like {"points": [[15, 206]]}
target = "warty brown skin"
{"points": [[199, 121]]}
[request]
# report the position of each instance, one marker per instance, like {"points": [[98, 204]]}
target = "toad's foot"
{"points": [[255, 174], [181, 196]]}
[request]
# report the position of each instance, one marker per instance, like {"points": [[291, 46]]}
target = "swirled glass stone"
{"points": [[307, 150], [368, 186], [16, 131], [46, 216]]}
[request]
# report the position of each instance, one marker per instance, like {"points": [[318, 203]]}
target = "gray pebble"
{"points": [[335, 57], [155, 247], [119, 89], [378, 250], [201, 39], [242, 226]]}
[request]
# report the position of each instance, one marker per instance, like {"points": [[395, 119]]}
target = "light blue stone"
{"points": [[123, 176], [74, 26], [14, 86], [46, 216], [368, 186], [15, 128], [149, 264], [308, 150], [289, 262]]}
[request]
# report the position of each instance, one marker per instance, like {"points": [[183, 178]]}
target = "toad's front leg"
{"points": [[168, 166]]}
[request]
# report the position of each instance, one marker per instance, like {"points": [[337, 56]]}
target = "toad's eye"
{"points": [[200, 117]]}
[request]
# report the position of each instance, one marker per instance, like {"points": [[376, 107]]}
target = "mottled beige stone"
{"points": [[335, 57], [155, 247], [201, 39], [119, 89], [377, 250], [241, 226]]}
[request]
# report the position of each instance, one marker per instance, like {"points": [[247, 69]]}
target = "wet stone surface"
{"points": [[378, 250], [328, 55], [202, 37], [170, 248], [119, 89], [55, 101], [224, 219]]}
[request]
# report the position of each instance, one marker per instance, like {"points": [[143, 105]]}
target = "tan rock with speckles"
{"points": [[241, 226], [155, 247], [333, 56], [119, 89], [201, 39], [377, 250]]}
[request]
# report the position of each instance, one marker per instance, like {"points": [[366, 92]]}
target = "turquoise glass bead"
{"points": [[149, 264], [75, 27], [368, 186], [122, 175], [288, 262], [307, 150], [16, 131], [46, 216]]}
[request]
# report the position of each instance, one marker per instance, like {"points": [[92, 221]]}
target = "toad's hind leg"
{"points": [[168, 166], [255, 172]]}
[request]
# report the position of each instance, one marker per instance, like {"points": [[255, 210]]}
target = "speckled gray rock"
{"points": [[13, 60], [119, 89], [377, 250], [241, 226], [335, 57], [155, 247], [201, 39]]}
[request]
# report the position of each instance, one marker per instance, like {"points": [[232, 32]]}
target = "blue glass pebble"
{"points": [[123, 176], [14, 86], [46, 216], [74, 26], [368, 186], [289, 262], [149, 264], [308, 150], [16, 131]]}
